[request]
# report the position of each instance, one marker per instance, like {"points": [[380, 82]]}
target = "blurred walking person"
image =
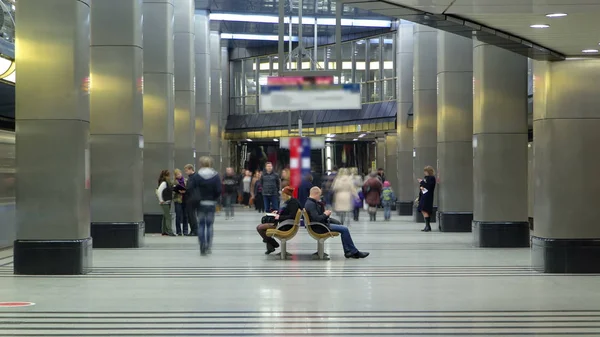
{"points": [[372, 191], [388, 198], [206, 186], [230, 190], [344, 194]]}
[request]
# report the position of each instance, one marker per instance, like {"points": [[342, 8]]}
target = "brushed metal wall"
{"points": [[8, 224]]}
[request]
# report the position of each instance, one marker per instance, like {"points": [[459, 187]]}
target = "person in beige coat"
{"points": [[345, 192]]}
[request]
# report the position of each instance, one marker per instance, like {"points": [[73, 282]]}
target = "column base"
{"points": [[418, 216], [405, 207], [118, 234], [530, 224], [565, 256], [153, 223], [53, 257], [455, 222], [500, 234]]}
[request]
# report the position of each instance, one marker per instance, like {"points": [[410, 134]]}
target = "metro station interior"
{"points": [[495, 101]]}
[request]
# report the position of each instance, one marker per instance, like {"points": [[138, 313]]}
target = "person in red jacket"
{"points": [[372, 191]]}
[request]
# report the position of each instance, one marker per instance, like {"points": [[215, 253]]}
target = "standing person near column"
{"points": [[181, 219], [164, 192], [246, 182], [191, 202], [230, 189], [270, 188], [426, 192], [259, 202], [205, 185]]}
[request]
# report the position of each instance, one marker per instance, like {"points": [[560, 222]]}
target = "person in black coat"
{"points": [[427, 188], [288, 211]]}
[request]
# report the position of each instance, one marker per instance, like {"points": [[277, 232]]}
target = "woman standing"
{"points": [[345, 194], [427, 188], [181, 221], [164, 192], [246, 182], [258, 196]]}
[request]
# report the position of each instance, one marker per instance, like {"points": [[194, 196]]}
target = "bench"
{"points": [[285, 236], [319, 237]]}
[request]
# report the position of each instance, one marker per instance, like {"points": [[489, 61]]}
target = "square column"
{"points": [[52, 138], [116, 113], [455, 132], [159, 93], [202, 60], [215, 99], [185, 74], [405, 190], [566, 236], [499, 147], [425, 108]]}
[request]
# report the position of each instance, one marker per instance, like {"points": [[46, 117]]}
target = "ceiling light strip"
{"points": [[324, 21]]}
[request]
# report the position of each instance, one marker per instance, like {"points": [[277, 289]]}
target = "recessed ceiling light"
{"points": [[248, 140], [275, 139], [540, 26], [355, 139], [589, 51], [556, 15]]}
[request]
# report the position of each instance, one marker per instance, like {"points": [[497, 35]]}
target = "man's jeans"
{"points": [[271, 203], [206, 218], [229, 200], [347, 243]]}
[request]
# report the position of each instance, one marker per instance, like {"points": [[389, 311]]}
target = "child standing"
{"points": [[387, 199]]}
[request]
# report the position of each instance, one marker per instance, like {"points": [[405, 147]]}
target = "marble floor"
{"points": [[414, 284]]}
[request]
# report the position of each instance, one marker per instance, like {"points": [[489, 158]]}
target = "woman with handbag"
{"points": [[288, 211], [426, 190]]}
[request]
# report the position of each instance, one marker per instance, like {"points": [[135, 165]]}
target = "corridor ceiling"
{"points": [[567, 35]]}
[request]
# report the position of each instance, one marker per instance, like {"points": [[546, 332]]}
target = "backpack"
{"points": [[388, 195]]}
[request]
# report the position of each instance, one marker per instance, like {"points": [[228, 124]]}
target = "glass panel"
{"points": [[360, 54], [237, 78], [388, 56], [250, 77]]}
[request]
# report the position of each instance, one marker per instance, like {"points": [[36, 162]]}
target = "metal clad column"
{"points": [[425, 107], [202, 54], [566, 128], [215, 99], [499, 147], [404, 67], [225, 106], [159, 92], [52, 138], [116, 117], [455, 132], [185, 96]]}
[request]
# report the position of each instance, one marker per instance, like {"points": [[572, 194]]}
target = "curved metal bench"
{"points": [[318, 236], [285, 236]]}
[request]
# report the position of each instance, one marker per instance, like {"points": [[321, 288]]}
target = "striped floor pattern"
{"points": [[300, 271], [349, 323]]}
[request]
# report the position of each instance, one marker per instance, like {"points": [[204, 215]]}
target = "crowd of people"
{"points": [[196, 195]]}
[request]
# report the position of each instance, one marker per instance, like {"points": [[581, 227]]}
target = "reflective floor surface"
{"points": [[414, 284]]}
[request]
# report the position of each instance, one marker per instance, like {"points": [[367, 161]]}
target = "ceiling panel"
{"points": [[567, 35]]}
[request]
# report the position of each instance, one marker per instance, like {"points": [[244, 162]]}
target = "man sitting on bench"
{"points": [[290, 207], [317, 213]]}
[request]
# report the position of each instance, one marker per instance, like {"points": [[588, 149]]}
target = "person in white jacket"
{"points": [[164, 192], [345, 194]]}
